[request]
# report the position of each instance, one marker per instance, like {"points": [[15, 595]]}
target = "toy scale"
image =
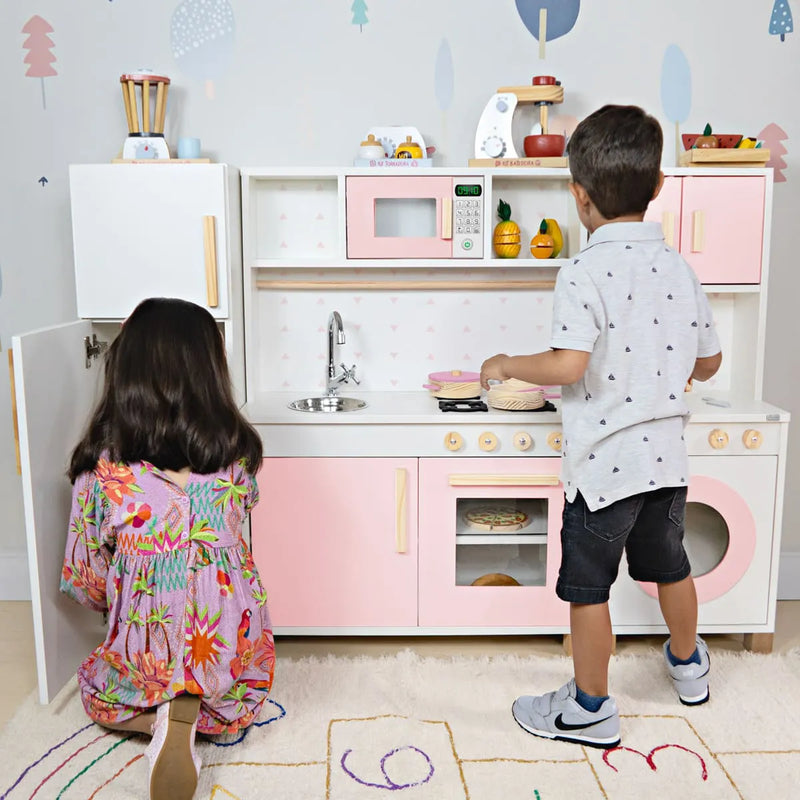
{"points": [[148, 141]]}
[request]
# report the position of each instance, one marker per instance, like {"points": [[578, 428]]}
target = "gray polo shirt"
{"points": [[638, 308]]}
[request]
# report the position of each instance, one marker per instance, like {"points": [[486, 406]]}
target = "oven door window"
{"points": [[501, 542]]}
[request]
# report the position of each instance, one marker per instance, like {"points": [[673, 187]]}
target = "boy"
{"points": [[631, 325]]}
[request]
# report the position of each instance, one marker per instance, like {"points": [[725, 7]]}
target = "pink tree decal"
{"points": [[39, 57], [772, 136]]}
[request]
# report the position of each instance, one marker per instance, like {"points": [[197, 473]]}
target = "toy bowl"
{"points": [[544, 145], [724, 139]]}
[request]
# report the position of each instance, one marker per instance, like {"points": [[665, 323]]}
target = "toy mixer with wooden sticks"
{"points": [[493, 137], [147, 141]]}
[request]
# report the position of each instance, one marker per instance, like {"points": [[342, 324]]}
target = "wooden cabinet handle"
{"points": [[503, 480], [447, 218], [210, 250], [14, 409], [400, 519], [698, 231], [668, 226]]}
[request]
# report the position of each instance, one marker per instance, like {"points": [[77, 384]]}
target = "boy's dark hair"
{"points": [[615, 154], [167, 396]]}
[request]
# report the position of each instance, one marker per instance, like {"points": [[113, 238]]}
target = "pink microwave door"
{"points": [[362, 195]]}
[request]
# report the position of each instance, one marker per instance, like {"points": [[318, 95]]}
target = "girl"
{"points": [[163, 479]]}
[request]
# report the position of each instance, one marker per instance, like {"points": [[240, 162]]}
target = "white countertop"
{"points": [[419, 408]]}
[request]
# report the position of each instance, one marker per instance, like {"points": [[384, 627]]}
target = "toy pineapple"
{"points": [[506, 233]]}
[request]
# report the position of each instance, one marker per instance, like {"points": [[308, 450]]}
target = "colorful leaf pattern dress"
{"points": [[186, 608]]}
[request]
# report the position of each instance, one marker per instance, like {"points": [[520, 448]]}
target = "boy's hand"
{"points": [[492, 370]]}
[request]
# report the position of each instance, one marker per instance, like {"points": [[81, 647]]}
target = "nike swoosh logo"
{"points": [[566, 726]]}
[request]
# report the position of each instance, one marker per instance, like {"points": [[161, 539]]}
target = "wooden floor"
{"points": [[18, 665]]}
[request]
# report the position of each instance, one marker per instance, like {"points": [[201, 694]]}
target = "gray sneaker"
{"points": [[558, 715], [691, 680]]}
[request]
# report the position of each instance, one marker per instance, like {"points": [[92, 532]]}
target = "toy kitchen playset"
{"points": [[397, 498]]}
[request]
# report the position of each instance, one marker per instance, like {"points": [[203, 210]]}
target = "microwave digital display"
{"points": [[469, 190]]}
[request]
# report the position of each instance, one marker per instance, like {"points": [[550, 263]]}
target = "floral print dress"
{"points": [[186, 608]]}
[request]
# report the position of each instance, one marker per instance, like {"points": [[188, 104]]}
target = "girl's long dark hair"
{"points": [[167, 396]]}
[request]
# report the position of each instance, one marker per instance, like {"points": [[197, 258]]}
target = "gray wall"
{"points": [[298, 83]]}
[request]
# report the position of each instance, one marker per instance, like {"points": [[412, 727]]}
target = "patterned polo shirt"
{"points": [[639, 309]]}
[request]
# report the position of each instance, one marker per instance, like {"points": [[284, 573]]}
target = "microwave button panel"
{"points": [[468, 207]]}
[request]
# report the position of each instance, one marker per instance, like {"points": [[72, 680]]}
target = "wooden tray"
{"points": [[724, 157]]}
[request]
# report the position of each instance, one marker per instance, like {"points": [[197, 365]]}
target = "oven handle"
{"points": [[504, 480], [400, 522]]}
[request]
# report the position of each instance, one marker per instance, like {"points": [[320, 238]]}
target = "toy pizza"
{"points": [[496, 518]]}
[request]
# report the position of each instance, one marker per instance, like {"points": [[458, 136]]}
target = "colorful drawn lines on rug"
{"points": [[9, 793], [421, 767]]}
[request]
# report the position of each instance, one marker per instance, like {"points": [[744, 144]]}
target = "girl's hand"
{"points": [[492, 370]]}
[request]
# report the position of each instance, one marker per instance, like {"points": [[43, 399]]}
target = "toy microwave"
{"points": [[415, 216]]}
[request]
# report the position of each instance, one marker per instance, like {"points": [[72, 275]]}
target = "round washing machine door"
{"points": [[720, 538]]}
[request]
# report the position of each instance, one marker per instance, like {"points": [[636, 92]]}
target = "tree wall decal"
{"points": [[359, 9], [202, 38], [676, 91], [772, 136], [780, 22], [38, 44]]}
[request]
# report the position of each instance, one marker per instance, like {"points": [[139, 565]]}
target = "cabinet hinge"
{"points": [[94, 349]]}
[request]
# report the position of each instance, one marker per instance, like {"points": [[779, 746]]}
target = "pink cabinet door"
{"points": [[722, 223], [415, 201], [666, 210], [452, 554], [335, 541]]}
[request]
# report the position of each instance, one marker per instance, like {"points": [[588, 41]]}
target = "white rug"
{"points": [[407, 727]]}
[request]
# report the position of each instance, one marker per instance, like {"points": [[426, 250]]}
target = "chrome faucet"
{"points": [[334, 378]]}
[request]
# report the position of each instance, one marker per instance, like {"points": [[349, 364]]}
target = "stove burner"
{"points": [[462, 405]]}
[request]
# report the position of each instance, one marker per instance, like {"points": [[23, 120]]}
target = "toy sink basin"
{"points": [[724, 139], [327, 404], [544, 145]]}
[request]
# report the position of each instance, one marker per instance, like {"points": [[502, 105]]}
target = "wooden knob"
{"points": [[718, 439], [523, 440], [554, 440], [487, 441], [752, 439], [453, 441]]}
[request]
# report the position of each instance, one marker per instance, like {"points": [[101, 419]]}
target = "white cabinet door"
{"points": [[138, 231], [54, 393]]}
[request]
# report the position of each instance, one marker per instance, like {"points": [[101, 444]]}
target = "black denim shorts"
{"points": [[648, 527]]}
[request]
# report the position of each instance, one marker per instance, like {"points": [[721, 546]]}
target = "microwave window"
{"points": [[405, 217]]}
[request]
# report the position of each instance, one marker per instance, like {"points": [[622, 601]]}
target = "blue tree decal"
{"points": [[359, 9], [676, 90], [780, 23], [443, 76], [561, 16]]}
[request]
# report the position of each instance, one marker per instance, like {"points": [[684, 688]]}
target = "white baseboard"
{"points": [[789, 576], [14, 579]]}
